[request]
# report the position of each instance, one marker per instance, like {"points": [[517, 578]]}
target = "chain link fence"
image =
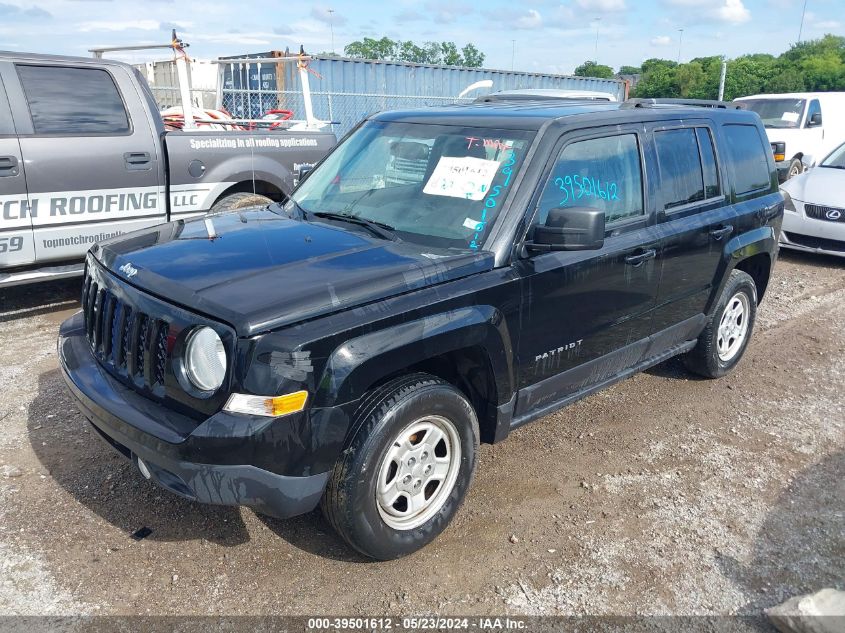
{"points": [[343, 109], [344, 91]]}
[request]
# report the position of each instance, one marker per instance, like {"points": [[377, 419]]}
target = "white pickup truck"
{"points": [[803, 127], [84, 156]]}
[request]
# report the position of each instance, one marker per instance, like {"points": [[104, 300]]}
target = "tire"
{"points": [[725, 338], [240, 200], [399, 410], [795, 167]]}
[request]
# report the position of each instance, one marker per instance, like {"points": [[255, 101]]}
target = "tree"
{"points": [[629, 70], [691, 80], [594, 69], [658, 79], [408, 51], [370, 48], [473, 58], [450, 55]]}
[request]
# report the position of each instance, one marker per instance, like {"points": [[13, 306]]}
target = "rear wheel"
{"points": [[406, 467], [240, 200], [723, 341]]}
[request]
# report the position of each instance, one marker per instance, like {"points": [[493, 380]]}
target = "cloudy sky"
{"points": [[547, 36]]}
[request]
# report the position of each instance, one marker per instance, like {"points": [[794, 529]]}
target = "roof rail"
{"points": [[702, 103]]}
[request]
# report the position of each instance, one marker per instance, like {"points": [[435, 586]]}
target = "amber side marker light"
{"points": [[273, 407]]}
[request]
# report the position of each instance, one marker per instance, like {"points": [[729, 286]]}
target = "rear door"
{"points": [[16, 247], [92, 158], [695, 218]]}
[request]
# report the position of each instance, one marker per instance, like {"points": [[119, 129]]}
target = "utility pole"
{"points": [[513, 53], [722, 81], [596, 53], [680, 43], [801, 28], [331, 26]]}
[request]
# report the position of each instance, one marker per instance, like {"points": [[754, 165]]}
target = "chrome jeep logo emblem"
{"points": [[129, 270], [833, 214]]}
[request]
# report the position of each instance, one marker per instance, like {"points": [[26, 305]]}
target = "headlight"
{"points": [[205, 359]]}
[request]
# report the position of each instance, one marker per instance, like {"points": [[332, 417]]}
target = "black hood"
{"points": [[258, 270]]}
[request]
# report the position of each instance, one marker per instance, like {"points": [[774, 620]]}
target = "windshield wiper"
{"points": [[380, 229]]}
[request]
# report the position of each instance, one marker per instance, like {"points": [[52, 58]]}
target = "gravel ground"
{"points": [[665, 494]]}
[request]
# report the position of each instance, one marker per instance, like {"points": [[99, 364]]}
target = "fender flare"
{"points": [[240, 169], [760, 240], [358, 363]]}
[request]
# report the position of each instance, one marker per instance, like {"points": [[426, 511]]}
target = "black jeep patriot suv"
{"points": [[444, 276]]}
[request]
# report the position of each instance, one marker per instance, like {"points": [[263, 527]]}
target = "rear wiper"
{"points": [[380, 229]]}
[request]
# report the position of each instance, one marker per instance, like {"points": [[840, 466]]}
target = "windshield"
{"points": [[836, 158], [777, 113], [436, 185]]}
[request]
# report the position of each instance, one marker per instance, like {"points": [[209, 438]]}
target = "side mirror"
{"points": [[570, 229], [815, 120], [304, 170]]}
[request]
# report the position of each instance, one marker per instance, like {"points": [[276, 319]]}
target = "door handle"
{"points": [[8, 166], [137, 160], [639, 258], [721, 232]]}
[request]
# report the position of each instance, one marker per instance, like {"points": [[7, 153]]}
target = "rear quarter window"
{"points": [[747, 152]]}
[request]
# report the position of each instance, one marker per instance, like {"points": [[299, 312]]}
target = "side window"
{"points": [[603, 173], [749, 163], [680, 167], [73, 101], [814, 109], [708, 163]]}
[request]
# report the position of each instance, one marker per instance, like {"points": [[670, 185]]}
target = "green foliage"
{"points": [[594, 69], [473, 58], [629, 70], [386, 49], [816, 65]]}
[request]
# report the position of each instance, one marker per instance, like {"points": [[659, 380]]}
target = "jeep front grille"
{"points": [[129, 342]]}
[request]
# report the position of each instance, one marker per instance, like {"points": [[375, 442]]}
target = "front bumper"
{"points": [[803, 233], [139, 428]]}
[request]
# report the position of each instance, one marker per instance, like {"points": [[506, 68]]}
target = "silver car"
{"points": [[814, 220]]}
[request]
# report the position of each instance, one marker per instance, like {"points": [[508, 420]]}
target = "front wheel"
{"points": [[723, 341], [406, 467], [795, 167]]}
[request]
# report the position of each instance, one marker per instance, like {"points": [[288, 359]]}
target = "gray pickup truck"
{"points": [[84, 156]]}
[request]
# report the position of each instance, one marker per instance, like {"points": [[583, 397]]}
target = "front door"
{"points": [[815, 143], [587, 313], [92, 157], [16, 247]]}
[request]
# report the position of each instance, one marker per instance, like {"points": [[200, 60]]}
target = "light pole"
{"points": [[680, 43], [596, 53], [331, 26], [513, 53], [801, 28]]}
